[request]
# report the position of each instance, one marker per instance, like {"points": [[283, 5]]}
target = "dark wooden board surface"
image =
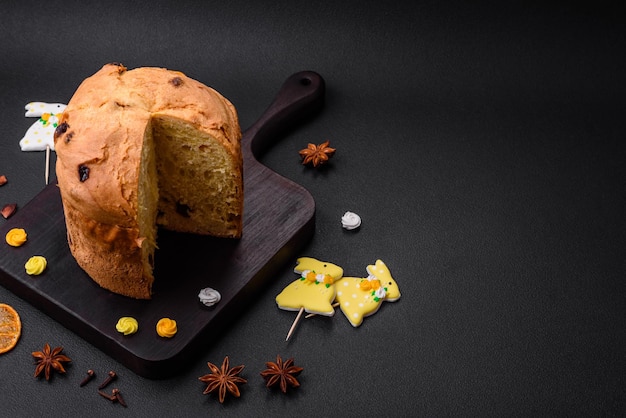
{"points": [[278, 221]]}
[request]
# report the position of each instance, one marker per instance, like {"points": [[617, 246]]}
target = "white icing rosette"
{"points": [[380, 293], [209, 296], [350, 221]]}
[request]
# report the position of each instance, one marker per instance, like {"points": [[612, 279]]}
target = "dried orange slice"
{"points": [[10, 327]]}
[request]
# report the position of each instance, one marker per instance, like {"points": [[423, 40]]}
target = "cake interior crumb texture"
{"points": [[186, 184]]}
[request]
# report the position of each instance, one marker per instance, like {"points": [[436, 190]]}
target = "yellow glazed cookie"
{"points": [[360, 297], [314, 291]]}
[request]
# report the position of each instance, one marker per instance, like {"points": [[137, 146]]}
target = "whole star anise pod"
{"points": [[48, 360], [282, 373], [223, 380], [317, 154]]}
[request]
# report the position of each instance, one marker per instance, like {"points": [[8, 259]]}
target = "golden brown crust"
{"points": [[99, 149], [113, 107], [110, 254]]}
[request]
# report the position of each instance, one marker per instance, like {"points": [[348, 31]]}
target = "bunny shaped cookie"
{"points": [[41, 133], [360, 297], [314, 291]]}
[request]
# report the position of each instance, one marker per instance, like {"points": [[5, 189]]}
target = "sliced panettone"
{"points": [[142, 148]]}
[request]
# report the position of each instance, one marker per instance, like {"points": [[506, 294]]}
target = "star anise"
{"points": [[282, 373], [317, 154], [48, 360], [223, 380]]}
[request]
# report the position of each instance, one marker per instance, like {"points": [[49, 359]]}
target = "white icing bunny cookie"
{"points": [[41, 134]]}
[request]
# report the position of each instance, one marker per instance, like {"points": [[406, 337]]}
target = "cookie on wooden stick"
{"points": [[40, 136], [314, 292]]}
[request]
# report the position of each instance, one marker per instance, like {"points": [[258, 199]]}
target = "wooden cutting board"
{"points": [[278, 220]]}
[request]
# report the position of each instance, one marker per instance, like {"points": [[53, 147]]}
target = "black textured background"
{"points": [[483, 147]]}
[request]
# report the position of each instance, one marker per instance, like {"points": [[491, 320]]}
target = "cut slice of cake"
{"points": [[140, 149]]}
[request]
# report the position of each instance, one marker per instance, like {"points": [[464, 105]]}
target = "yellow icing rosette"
{"points": [[16, 237], [166, 327], [127, 325], [36, 265]]}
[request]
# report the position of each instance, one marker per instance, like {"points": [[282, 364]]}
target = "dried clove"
{"points": [[118, 396], [112, 398], [90, 375], [111, 376]]}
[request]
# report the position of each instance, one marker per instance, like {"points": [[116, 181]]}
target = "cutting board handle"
{"points": [[300, 96]]}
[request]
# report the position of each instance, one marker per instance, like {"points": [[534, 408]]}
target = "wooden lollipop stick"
{"points": [[295, 323], [313, 314], [47, 163]]}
